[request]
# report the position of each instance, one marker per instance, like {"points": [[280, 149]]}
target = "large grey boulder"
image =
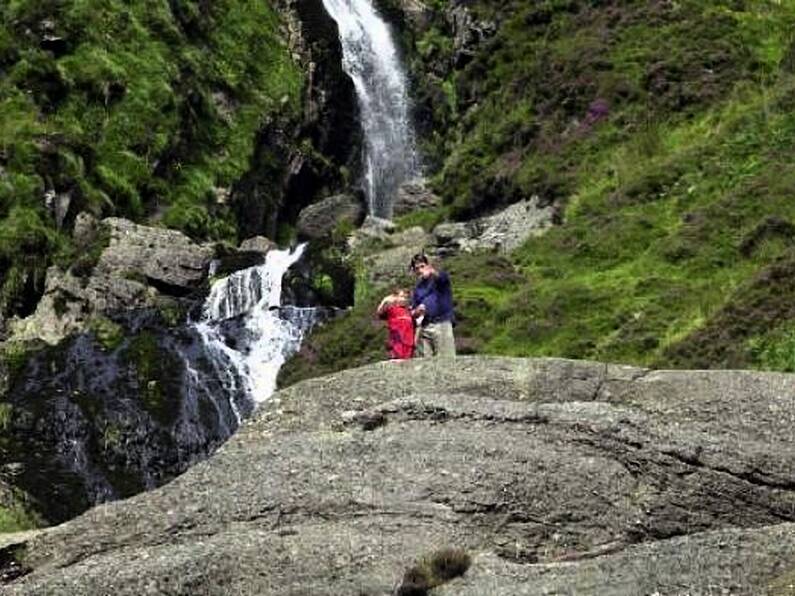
{"points": [[556, 476], [258, 244], [160, 256], [142, 267], [390, 264], [319, 220], [69, 304]]}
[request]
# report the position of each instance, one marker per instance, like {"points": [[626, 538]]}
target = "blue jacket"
{"points": [[436, 293]]}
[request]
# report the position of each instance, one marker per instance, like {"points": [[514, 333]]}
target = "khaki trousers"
{"points": [[435, 339]]}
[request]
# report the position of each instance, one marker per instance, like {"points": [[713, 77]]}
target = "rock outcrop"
{"points": [[296, 162], [555, 476], [468, 32], [412, 196], [319, 220], [503, 231], [163, 257], [139, 267]]}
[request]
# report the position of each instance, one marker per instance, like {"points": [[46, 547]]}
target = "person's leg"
{"points": [[424, 347], [445, 341]]}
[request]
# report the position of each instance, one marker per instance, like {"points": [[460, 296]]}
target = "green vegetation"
{"points": [[664, 132], [140, 109], [158, 376], [13, 360], [110, 335], [16, 519], [427, 219]]}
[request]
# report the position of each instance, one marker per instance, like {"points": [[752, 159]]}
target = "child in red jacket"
{"points": [[394, 308]]}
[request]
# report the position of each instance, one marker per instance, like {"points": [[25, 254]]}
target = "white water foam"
{"points": [[252, 350]]}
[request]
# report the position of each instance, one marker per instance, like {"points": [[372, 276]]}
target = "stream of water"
{"points": [[371, 58]]}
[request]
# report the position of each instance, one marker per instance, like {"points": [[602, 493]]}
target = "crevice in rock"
{"points": [[169, 289], [11, 565], [752, 476]]}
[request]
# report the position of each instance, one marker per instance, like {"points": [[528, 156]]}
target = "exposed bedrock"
{"points": [[556, 476]]}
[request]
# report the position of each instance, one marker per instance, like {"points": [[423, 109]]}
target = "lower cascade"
{"points": [[91, 423], [247, 334]]}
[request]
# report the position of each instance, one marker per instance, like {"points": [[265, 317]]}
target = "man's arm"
{"points": [[442, 280]]}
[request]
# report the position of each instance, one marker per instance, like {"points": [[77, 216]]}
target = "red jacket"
{"points": [[401, 330]]}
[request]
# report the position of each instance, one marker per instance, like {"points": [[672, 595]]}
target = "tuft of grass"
{"points": [[427, 219], [774, 351], [434, 570], [16, 519]]}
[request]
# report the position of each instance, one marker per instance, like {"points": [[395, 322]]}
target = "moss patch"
{"points": [[158, 372], [108, 333], [16, 519]]}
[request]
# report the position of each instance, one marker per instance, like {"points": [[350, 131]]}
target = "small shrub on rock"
{"points": [[434, 570]]}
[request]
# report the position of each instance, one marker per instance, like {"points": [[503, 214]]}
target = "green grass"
{"points": [[142, 110], [15, 519]]}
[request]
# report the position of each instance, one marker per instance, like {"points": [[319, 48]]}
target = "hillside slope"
{"points": [[662, 131]]}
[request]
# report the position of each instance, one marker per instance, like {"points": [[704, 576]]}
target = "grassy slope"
{"points": [[676, 246], [669, 218], [138, 108]]}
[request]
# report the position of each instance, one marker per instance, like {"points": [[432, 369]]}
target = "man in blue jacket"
{"points": [[432, 308]]}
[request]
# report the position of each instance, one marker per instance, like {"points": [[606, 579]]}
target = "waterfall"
{"points": [[247, 335], [371, 59]]}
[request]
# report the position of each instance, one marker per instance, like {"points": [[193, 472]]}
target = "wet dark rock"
{"points": [[554, 476], [103, 416]]}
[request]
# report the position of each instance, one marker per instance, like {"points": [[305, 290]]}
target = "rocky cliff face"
{"points": [[555, 476], [104, 409], [294, 162]]}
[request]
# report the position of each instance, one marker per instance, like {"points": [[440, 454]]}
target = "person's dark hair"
{"points": [[417, 259]]}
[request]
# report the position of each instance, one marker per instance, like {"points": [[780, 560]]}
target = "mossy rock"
{"points": [[158, 372]]}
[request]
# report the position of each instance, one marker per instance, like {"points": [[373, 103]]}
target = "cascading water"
{"points": [[112, 421], [371, 59], [247, 335]]}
